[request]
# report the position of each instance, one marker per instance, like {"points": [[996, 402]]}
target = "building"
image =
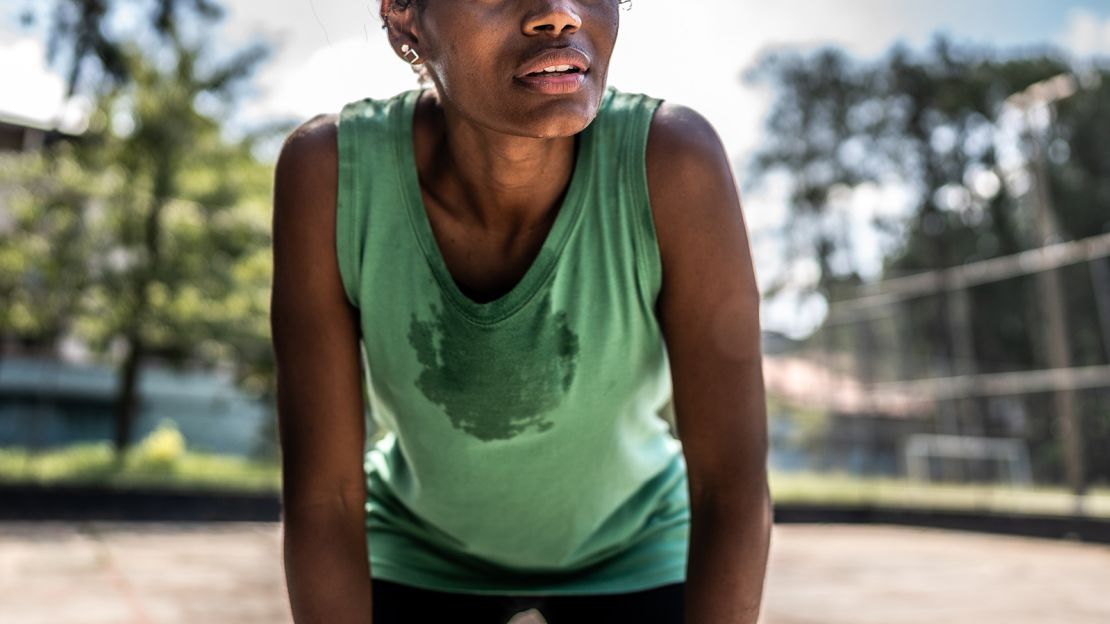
{"points": [[47, 403], [18, 134], [823, 419]]}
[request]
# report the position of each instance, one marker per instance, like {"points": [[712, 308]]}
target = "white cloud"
{"points": [[1086, 33], [327, 53], [695, 56], [328, 78]]}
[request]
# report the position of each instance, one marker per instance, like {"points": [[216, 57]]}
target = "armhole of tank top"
{"points": [[649, 262], [346, 203]]}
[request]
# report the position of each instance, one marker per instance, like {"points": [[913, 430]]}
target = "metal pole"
{"points": [[949, 411], [1053, 311], [825, 461], [865, 371], [962, 345], [1100, 282]]}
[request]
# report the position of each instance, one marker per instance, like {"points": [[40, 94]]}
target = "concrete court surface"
{"points": [[131, 573]]}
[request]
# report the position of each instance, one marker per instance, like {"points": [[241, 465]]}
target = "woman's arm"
{"points": [[709, 313], [319, 391]]}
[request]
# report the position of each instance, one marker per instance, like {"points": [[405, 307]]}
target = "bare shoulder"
{"points": [[306, 178], [304, 215], [681, 136], [321, 128], [311, 151], [690, 181]]}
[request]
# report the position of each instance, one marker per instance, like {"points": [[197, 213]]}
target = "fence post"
{"points": [[1054, 312], [1100, 282]]}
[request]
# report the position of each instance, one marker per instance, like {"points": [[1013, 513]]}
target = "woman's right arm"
{"points": [[315, 335]]}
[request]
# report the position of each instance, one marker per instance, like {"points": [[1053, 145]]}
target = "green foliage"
{"points": [[930, 121], [165, 228], [162, 449], [196, 221], [79, 36], [157, 461], [43, 256], [152, 230]]}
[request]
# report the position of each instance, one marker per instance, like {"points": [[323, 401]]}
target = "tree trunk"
{"points": [[126, 398], [126, 404]]}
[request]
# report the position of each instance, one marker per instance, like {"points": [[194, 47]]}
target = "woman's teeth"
{"points": [[556, 70]]}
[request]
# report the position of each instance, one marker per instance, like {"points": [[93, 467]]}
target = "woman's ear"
{"points": [[383, 12], [399, 22]]}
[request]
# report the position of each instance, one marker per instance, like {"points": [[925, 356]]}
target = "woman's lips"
{"points": [[558, 84], [569, 64]]}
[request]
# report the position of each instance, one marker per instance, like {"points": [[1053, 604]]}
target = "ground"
{"points": [[121, 573]]}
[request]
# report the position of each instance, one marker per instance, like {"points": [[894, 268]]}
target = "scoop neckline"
{"points": [[542, 265]]}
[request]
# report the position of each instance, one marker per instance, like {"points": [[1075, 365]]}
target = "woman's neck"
{"points": [[496, 180]]}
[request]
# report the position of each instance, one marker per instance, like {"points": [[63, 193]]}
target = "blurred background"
{"points": [[926, 185]]}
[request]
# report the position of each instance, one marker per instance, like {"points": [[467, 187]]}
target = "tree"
{"points": [[193, 224], [45, 244], [78, 33], [935, 123], [152, 232]]}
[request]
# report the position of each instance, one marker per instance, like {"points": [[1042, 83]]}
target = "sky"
{"points": [[691, 52]]}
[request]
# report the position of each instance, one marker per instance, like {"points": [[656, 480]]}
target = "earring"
{"points": [[406, 50]]}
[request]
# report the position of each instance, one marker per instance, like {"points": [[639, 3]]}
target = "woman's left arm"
{"points": [[709, 313]]}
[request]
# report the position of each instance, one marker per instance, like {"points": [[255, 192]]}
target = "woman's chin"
{"points": [[526, 113], [561, 117], [562, 127]]}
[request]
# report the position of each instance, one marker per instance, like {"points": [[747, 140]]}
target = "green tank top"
{"points": [[525, 453]]}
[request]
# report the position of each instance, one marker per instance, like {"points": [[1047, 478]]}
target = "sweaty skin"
{"points": [[494, 161]]}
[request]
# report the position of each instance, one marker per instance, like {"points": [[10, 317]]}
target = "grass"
{"points": [[162, 461], [96, 464], [845, 489]]}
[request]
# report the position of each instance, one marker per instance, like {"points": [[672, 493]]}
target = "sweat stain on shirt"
{"points": [[460, 370]]}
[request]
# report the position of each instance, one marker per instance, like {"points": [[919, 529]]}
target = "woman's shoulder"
{"points": [[309, 156], [318, 137], [675, 130], [689, 176], [370, 110], [681, 135], [304, 194], [305, 187], [683, 149], [314, 138]]}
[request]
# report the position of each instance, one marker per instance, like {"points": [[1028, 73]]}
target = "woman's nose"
{"points": [[554, 19]]}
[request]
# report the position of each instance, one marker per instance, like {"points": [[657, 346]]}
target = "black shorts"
{"points": [[395, 603]]}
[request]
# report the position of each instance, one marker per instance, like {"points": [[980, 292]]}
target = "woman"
{"points": [[532, 261]]}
